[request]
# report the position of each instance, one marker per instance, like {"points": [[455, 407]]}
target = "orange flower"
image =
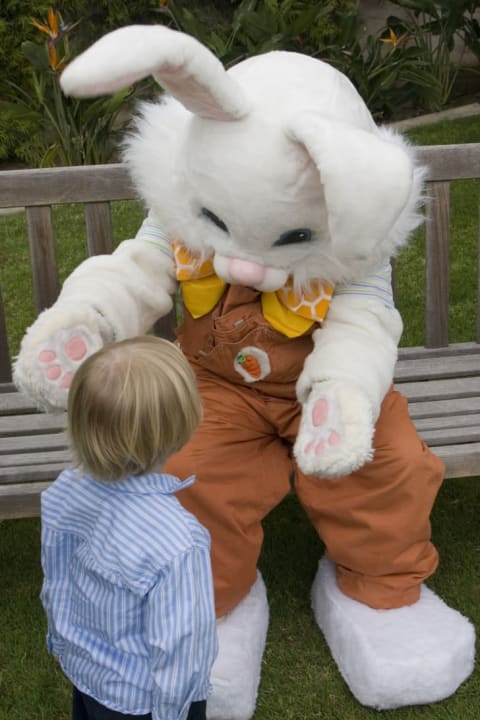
{"points": [[394, 40], [50, 27], [55, 63]]}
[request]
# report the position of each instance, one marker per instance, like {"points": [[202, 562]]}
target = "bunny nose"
{"points": [[244, 272]]}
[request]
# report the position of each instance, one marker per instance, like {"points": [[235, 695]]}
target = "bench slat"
{"points": [[41, 240], [453, 350], [460, 460], [45, 457], [98, 219], [438, 408], [14, 402], [436, 264], [31, 473], [27, 443], [5, 367], [21, 501], [450, 389], [451, 162], [450, 436], [29, 424], [58, 186], [478, 279], [448, 421], [436, 368]]}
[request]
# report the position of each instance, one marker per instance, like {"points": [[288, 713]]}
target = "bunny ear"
{"points": [[181, 64], [367, 181]]}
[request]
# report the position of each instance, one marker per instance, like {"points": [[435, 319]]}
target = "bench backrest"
{"points": [[96, 186]]}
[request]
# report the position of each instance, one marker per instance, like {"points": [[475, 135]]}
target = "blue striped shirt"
{"points": [[128, 592]]}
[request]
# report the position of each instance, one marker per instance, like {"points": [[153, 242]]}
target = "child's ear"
{"points": [[182, 65], [367, 179]]}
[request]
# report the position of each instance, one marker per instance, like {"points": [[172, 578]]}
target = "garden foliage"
{"points": [[407, 64]]}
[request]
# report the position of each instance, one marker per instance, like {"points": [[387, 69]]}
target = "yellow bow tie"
{"points": [[288, 312]]}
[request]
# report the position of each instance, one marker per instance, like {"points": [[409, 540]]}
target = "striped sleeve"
{"points": [[150, 231], [377, 286], [181, 631], [57, 553]]}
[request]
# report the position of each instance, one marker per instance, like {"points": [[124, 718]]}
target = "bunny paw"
{"points": [[62, 355], [335, 432], [325, 429]]}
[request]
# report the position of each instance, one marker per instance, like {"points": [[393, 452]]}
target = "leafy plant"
{"points": [[18, 139], [259, 26], [51, 128], [399, 67], [436, 28], [387, 72]]}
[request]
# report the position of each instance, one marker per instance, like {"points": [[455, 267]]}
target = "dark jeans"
{"points": [[86, 708]]}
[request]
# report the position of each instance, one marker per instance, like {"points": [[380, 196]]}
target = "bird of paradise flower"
{"points": [[56, 29], [394, 40]]}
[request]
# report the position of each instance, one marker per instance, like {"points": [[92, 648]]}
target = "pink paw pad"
{"points": [[76, 348], [333, 438], [47, 356], [324, 435], [67, 380], [320, 412], [53, 372]]}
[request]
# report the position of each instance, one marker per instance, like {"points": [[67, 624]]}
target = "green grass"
{"points": [[299, 678], [69, 223]]}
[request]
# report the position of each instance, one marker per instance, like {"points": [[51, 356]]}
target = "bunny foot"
{"points": [[236, 671], [412, 655]]}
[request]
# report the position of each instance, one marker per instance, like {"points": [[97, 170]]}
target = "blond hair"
{"points": [[131, 404]]}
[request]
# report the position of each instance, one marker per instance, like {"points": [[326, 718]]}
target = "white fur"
{"points": [[177, 61], [111, 297], [356, 345], [350, 417], [392, 658], [52, 330], [236, 671], [345, 156], [295, 158]]}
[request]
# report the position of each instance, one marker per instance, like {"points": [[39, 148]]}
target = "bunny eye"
{"points": [[214, 219], [294, 237]]}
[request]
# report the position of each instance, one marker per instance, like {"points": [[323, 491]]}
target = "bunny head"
{"points": [[274, 168]]}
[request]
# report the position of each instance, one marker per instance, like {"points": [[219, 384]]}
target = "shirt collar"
{"points": [[150, 483]]}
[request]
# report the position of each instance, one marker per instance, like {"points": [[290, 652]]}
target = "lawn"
{"points": [[299, 678]]}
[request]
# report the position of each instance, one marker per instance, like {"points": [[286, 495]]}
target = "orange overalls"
{"points": [[374, 522]]}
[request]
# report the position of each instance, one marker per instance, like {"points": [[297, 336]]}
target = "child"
{"points": [[127, 578]]}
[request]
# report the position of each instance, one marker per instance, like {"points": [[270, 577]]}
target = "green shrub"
{"points": [[49, 128], [16, 28], [258, 26], [435, 28], [407, 64], [40, 128]]}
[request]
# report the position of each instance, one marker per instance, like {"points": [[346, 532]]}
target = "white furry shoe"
{"points": [[391, 658], [236, 671]]}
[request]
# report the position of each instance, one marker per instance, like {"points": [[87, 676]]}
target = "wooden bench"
{"points": [[441, 381]]}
